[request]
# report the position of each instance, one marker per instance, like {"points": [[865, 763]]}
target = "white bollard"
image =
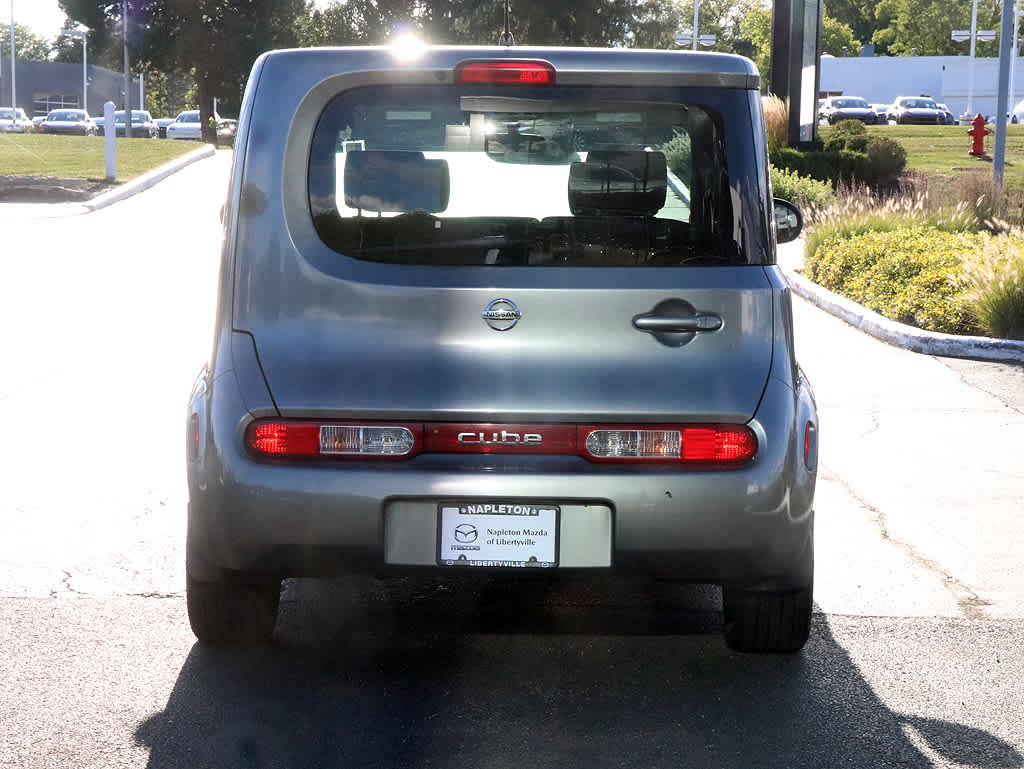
{"points": [[109, 134]]}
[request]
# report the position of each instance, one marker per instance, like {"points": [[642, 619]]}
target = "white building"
{"points": [[880, 79]]}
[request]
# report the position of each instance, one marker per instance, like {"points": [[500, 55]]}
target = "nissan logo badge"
{"points": [[501, 314]]}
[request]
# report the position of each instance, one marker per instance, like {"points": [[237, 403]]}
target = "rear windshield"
{"points": [[545, 176], [850, 104]]}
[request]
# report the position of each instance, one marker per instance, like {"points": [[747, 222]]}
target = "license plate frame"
{"points": [[527, 533]]}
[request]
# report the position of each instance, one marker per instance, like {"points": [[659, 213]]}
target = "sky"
{"points": [[45, 17]]}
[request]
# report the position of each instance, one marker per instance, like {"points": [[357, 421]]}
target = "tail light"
{"points": [[313, 439], [810, 446], [702, 445], [505, 72]]}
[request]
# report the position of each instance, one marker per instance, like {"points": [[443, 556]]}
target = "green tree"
{"points": [[837, 38], [27, 45], [217, 40], [903, 27]]}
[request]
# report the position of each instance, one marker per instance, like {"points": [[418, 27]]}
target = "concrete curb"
{"points": [[902, 335], [147, 180], [119, 193]]}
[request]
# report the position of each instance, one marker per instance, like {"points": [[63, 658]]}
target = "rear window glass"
{"points": [[542, 176]]}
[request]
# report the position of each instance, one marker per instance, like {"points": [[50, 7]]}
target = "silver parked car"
{"points": [[916, 110], [14, 121], [488, 312], [69, 121]]}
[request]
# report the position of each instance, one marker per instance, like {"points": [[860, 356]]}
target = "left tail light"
{"points": [[335, 440]]}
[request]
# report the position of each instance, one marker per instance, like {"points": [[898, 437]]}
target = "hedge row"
{"points": [[911, 275]]}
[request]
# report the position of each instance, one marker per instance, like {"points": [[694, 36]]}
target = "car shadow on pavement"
{"points": [[485, 674]]}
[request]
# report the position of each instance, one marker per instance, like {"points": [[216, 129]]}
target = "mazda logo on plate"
{"points": [[465, 532], [501, 314]]}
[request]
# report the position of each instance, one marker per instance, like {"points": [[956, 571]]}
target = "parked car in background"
{"points": [[838, 108], [161, 125], [645, 415], [918, 110], [186, 126], [14, 121], [948, 113], [70, 121], [881, 112], [37, 123], [226, 129], [143, 125]]}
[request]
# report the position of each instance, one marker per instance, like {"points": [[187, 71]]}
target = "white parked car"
{"points": [[1017, 114], [187, 126], [14, 121]]}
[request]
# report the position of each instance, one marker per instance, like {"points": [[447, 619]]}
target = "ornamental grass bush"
{"points": [[776, 121], [911, 274], [994, 282]]}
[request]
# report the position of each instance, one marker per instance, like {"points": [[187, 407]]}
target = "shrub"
{"points": [[776, 121], [806, 192], [677, 155], [994, 279], [849, 128], [886, 159], [911, 275]]}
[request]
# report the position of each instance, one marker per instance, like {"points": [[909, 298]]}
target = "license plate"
{"points": [[497, 534]]}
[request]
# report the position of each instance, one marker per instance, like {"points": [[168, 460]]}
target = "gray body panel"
{"points": [[408, 343]]}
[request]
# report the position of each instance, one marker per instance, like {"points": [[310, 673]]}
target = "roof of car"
{"points": [[702, 68]]}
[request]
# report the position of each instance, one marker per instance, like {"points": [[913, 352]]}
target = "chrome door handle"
{"points": [[701, 321]]}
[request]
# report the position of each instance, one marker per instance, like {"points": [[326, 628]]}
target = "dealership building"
{"points": [[45, 85], [881, 79]]}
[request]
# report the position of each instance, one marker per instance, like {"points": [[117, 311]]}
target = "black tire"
{"points": [[767, 622], [233, 612]]}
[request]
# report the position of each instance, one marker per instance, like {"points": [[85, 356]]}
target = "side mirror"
{"points": [[788, 221]]}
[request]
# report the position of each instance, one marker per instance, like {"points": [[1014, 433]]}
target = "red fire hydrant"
{"points": [[978, 134]]}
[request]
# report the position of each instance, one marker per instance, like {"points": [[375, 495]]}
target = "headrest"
{"points": [[620, 182], [395, 181]]}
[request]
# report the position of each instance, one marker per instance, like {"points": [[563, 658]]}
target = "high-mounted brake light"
{"points": [[505, 72], [709, 444], [312, 439]]}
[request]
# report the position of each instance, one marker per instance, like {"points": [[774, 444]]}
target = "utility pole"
{"points": [[999, 151], [696, 8], [127, 72], [14, 93]]}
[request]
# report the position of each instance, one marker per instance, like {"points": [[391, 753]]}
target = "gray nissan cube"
{"points": [[502, 311]]}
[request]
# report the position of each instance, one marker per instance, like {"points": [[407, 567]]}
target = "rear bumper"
{"points": [[750, 526]]}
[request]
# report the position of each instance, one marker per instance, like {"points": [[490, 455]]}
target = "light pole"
{"points": [[1017, 13], [127, 72], [82, 32], [696, 8], [974, 34], [14, 98]]}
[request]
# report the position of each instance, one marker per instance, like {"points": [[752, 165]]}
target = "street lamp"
{"points": [[685, 38], [974, 34], [82, 32]]}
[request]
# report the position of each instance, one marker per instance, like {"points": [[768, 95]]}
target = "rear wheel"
{"points": [[767, 622], [233, 612]]}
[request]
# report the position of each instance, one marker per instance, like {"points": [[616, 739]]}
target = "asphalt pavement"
{"points": [[915, 659]]}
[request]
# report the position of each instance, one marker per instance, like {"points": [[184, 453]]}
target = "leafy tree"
{"points": [[27, 45], [218, 40], [858, 15], [903, 27], [837, 38]]}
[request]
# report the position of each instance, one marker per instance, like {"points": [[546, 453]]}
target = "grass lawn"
{"points": [[941, 151], [82, 157]]}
